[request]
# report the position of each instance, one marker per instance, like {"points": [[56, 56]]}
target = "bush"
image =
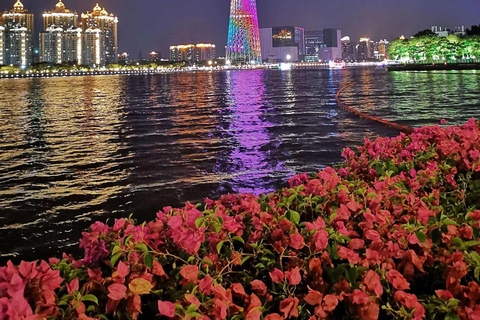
{"points": [[393, 233]]}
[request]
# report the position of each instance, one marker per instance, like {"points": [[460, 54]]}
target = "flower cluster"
{"points": [[392, 233]]}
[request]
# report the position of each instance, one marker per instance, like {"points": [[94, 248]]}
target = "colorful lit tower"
{"points": [[243, 45]]}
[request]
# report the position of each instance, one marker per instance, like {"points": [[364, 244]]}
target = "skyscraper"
{"points": [[313, 44], [60, 17], [107, 23], [18, 24], [61, 39], [243, 45]]}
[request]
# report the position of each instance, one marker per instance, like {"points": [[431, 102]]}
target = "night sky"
{"points": [[157, 24]]}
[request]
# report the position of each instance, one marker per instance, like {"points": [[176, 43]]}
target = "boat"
{"points": [[336, 64]]}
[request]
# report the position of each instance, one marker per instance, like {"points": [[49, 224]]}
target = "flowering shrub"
{"points": [[393, 233]]}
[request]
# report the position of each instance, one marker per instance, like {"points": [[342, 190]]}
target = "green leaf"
{"points": [[239, 239], [244, 259], [191, 308], [149, 260], [476, 257], [473, 243], [219, 246], [436, 236], [476, 273], [449, 222], [116, 249], [91, 298], [199, 222], [458, 242], [351, 275], [115, 258], [142, 247], [451, 316], [293, 216], [421, 236]]}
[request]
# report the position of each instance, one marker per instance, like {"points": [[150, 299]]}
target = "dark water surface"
{"points": [[79, 149]]}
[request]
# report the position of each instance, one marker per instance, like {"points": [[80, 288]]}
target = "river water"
{"points": [[75, 150]]}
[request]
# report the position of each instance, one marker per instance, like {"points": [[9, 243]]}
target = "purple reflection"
{"points": [[250, 162]]}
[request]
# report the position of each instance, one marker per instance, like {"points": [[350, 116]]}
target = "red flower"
{"points": [[206, 285], [259, 287], [238, 289], [273, 316], [372, 281], [397, 280], [296, 240], [123, 270], [189, 272], [220, 309], [277, 276], [157, 269], [313, 298], [166, 308], [289, 307], [294, 276], [444, 294], [117, 291]]}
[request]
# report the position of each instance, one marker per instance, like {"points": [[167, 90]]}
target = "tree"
{"points": [[426, 32]]}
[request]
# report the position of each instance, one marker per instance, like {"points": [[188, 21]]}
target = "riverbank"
{"points": [[386, 235], [430, 67]]}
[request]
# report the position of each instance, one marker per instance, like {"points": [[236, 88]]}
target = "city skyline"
{"points": [[207, 20]]}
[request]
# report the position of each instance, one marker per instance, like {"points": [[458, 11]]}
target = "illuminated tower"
{"points": [[243, 35], [100, 19], [18, 24], [61, 39]]}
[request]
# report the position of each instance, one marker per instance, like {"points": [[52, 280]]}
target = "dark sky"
{"points": [[157, 24]]}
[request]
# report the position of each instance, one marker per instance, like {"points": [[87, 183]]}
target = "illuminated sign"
{"points": [[284, 37]]}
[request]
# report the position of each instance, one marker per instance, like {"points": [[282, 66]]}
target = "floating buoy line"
{"points": [[391, 124]]}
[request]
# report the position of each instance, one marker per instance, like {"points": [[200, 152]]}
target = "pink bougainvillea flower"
{"points": [[206, 285], [293, 276], [277, 276], [117, 291], [166, 308], [189, 272]]}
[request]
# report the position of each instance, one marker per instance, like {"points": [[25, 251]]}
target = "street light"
{"points": [[289, 57]]}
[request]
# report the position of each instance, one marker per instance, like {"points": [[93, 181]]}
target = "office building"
{"points": [[100, 19], [282, 44], [333, 45], [192, 53], [18, 35], [313, 45]]}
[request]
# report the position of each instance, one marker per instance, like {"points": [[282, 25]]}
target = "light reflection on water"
{"points": [[74, 150]]}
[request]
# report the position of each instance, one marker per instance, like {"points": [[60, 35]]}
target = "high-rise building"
{"points": [[313, 45], [60, 17], [107, 23], [192, 53], [243, 46], [18, 24], [153, 56], [282, 44], [383, 50], [2, 44], [333, 45], [93, 51], [204, 52], [348, 49], [61, 39], [365, 49], [124, 58]]}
